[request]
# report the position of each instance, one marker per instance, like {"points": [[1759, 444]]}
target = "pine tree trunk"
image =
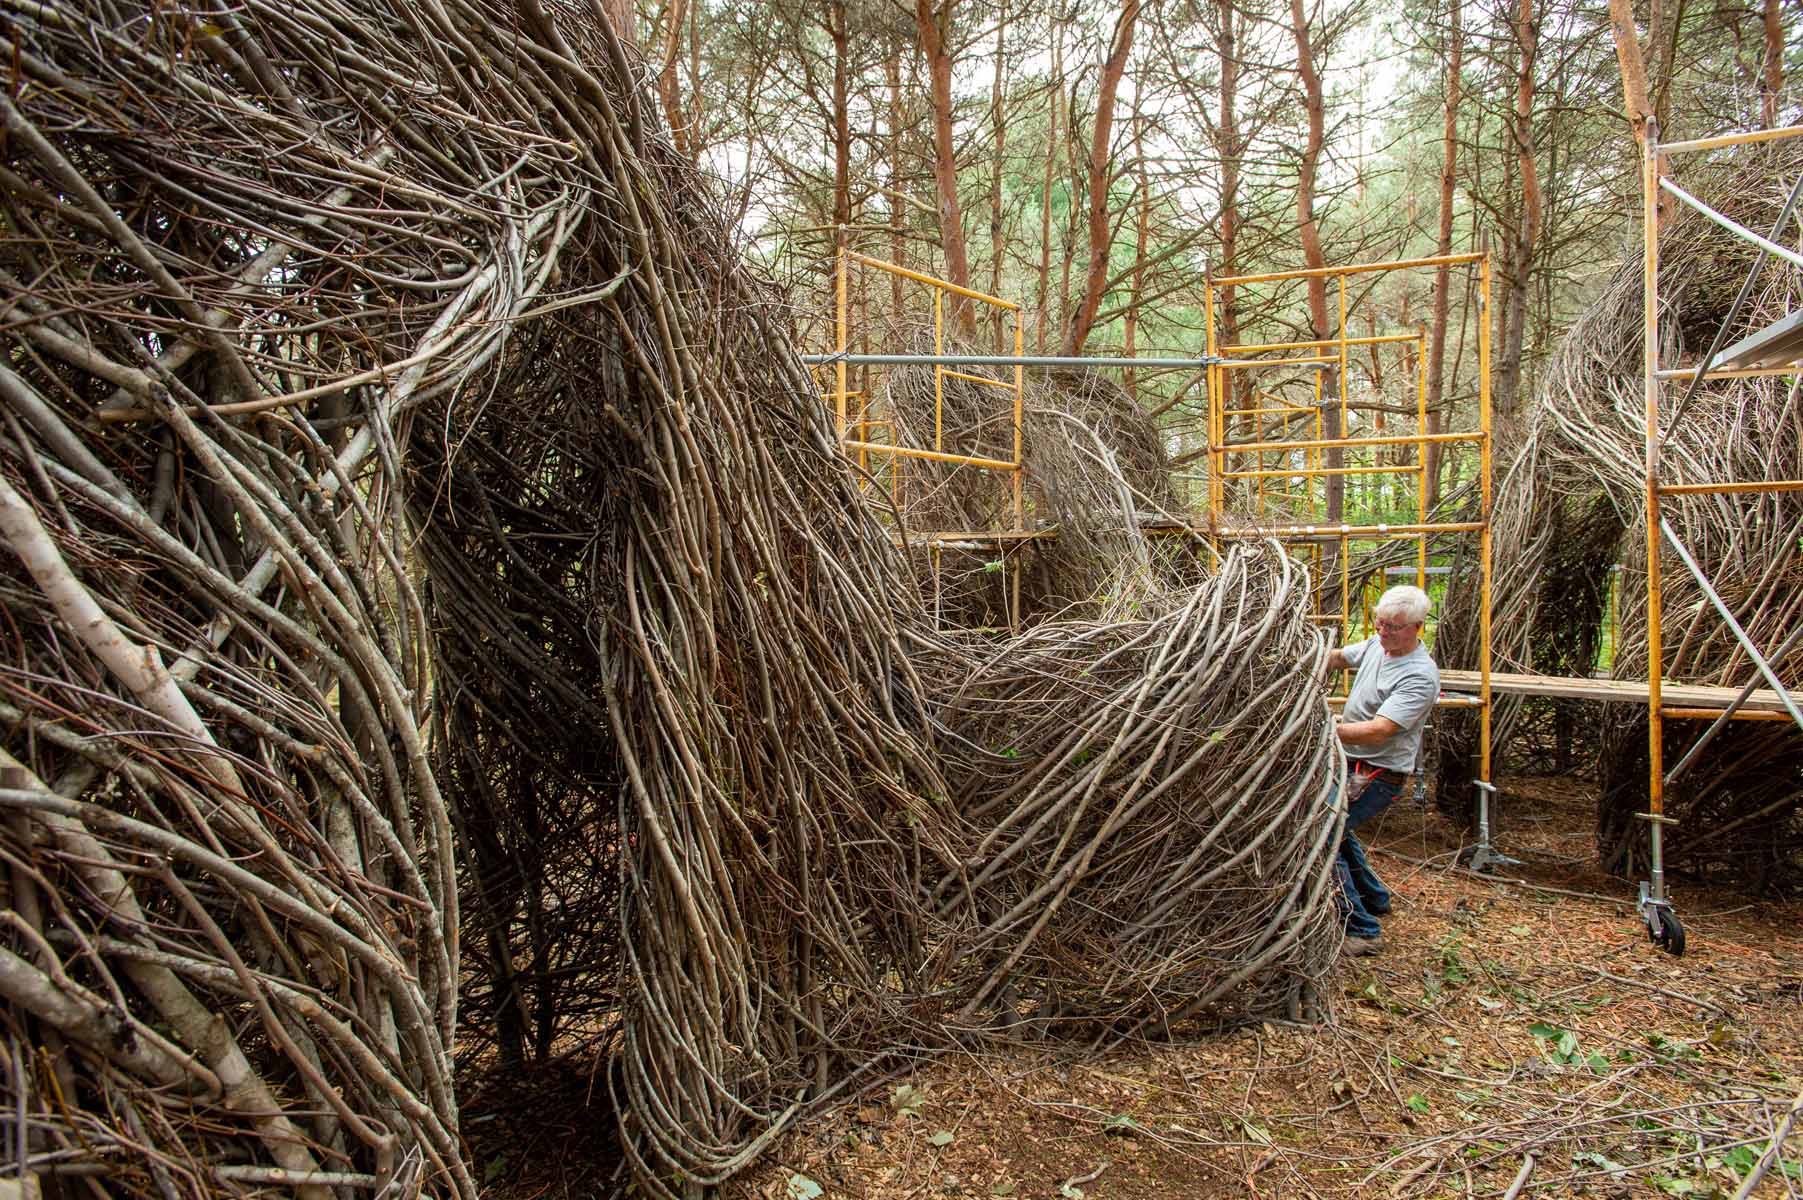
{"points": [[934, 26], [995, 171], [836, 25], [620, 16], [1309, 232], [668, 91], [1527, 228], [1449, 160], [1771, 80], [1227, 149], [1045, 195], [1633, 66], [1139, 246], [897, 206], [1099, 177]]}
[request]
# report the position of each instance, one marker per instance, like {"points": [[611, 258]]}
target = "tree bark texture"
{"points": [[669, 90], [1054, 138], [1633, 66], [933, 23], [1449, 161], [841, 36], [999, 129], [1527, 228], [1771, 75], [1143, 203], [1228, 150], [898, 208], [1100, 174], [1309, 233]]}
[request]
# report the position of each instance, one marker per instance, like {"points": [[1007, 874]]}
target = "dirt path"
{"points": [[1501, 1021]]}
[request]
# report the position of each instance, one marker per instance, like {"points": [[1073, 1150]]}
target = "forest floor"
{"points": [[1504, 1018], [1501, 1020]]}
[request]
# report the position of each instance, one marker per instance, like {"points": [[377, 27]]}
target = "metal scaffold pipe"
{"points": [[1002, 360]]}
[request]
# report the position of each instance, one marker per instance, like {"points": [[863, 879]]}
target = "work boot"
{"points": [[1358, 947]]}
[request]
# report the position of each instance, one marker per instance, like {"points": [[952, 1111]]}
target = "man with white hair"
{"points": [[1394, 687]]}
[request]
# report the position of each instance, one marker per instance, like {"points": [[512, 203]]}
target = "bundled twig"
{"points": [[1134, 813], [245, 246]]}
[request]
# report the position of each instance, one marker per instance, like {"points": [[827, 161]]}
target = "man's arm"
{"points": [[1366, 733], [1336, 661]]}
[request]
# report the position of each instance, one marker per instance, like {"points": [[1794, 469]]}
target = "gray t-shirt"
{"points": [[1401, 687]]}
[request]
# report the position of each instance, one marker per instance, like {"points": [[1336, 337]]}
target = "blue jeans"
{"points": [[1363, 898]]}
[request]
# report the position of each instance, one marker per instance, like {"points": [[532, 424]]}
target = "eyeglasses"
{"points": [[1395, 626]]}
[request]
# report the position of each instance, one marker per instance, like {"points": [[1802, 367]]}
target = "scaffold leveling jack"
{"points": [[1662, 924], [1484, 856]]}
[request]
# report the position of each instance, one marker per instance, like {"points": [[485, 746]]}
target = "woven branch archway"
{"points": [[441, 627]]}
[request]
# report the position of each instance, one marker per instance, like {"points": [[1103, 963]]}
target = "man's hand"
{"points": [[1367, 733], [1336, 661]]}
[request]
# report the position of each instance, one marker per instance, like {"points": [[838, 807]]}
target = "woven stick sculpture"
{"points": [[443, 632]]}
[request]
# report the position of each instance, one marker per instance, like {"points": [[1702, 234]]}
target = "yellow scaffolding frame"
{"points": [[1654, 905], [1274, 406], [841, 393], [1334, 352]]}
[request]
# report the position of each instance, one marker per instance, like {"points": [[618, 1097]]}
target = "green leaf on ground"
{"points": [[1561, 1043], [906, 1100], [803, 1188], [941, 1139], [1598, 1161], [1417, 1102], [1741, 1159]]}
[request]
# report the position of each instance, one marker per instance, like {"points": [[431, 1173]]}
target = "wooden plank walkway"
{"points": [[1621, 691]]}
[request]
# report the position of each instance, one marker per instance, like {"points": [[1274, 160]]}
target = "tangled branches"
{"points": [[245, 246], [1097, 471], [1136, 813], [418, 520]]}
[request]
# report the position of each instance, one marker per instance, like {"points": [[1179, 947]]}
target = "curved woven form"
{"points": [[443, 631]]}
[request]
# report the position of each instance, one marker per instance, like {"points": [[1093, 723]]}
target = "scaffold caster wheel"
{"points": [[1666, 931]]}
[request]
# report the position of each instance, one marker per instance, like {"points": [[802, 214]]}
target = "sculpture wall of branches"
{"points": [[1579, 476], [444, 633], [1549, 575]]}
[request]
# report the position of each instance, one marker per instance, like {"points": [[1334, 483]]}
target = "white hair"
{"points": [[1406, 601]]}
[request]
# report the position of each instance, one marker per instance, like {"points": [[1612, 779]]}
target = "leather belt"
{"points": [[1383, 774]]}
